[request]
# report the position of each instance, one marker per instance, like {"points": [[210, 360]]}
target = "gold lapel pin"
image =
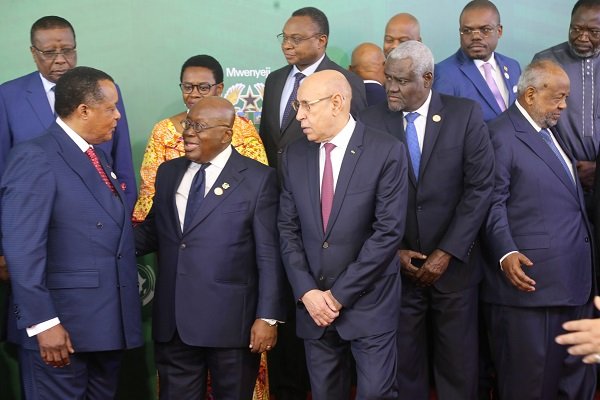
{"points": [[225, 185], [506, 68], [218, 191], [436, 118]]}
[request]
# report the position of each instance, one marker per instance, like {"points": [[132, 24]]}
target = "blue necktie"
{"points": [[412, 140], [288, 107], [546, 136], [195, 196]]}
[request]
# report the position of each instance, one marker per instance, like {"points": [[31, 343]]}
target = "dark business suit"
{"points": [[25, 113], [375, 93], [288, 377], [458, 75], [70, 251], [445, 211], [220, 274], [354, 258], [274, 137], [538, 210]]}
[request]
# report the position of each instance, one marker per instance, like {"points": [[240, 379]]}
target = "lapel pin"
{"points": [[113, 175], [515, 89], [436, 118], [225, 185], [506, 68], [352, 151], [506, 75], [218, 191]]}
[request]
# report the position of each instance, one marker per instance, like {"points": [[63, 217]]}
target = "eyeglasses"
{"points": [[484, 31], [203, 88], [50, 55], [577, 31], [198, 127], [306, 104], [294, 40]]}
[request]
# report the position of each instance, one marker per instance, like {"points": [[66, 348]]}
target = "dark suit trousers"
{"points": [[453, 320], [182, 371], [530, 364], [91, 376], [329, 361]]}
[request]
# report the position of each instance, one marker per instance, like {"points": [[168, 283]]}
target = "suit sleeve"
{"points": [[268, 259], [146, 238], [5, 134], [478, 171], [28, 190], [379, 250], [443, 82], [290, 239]]}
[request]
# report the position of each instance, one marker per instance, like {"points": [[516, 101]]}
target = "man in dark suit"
{"points": [[70, 251], [367, 62], [27, 103], [476, 71], [451, 180], [341, 218], [219, 285], [400, 28], [540, 242], [303, 43]]}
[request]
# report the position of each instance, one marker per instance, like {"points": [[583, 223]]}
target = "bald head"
{"points": [[216, 109], [400, 28], [324, 105], [367, 62]]}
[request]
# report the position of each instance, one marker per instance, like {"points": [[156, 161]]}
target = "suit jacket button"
{"points": [[279, 151], [182, 246], [321, 278], [325, 245], [419, 208], [99, 225], [587, 239], [119, 256]]}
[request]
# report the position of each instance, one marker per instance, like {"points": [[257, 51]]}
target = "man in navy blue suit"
{"points": [[367, 62], [341, 218], [27, 103], [450, 183], [219, 291], [541, 273], [476, 71], [68, 242]]}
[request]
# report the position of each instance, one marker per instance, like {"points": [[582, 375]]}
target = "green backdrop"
{"points": [[142, 44]]}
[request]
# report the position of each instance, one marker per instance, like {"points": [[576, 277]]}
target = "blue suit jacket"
{"points": [[355, 257], [457, 75], [69, 246], [538, 210], [25, 114], [375, 93], [447, 206], [224, 271]]}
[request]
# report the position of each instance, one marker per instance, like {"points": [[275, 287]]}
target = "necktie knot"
{"points": [[329, 147], [288, 107], [299, 76], [410, 117]]}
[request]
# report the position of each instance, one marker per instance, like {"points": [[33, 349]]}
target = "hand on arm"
{"points": [[583, 337], [512, 267], [406, 265], [263, 336], [55, 346], [434, 267], [320, 306]]}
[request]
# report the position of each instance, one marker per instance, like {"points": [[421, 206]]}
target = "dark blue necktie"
{"points": [[412, 141], [546, 136], [288, 107], [196, 195]]}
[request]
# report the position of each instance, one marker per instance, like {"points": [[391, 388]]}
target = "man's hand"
{"points": [[333, 301], [511, 266], [583, 337], [586, 171], [406, 267], [263, 336], [3, 270], [434, 267], [55, 346], [320, 306]]}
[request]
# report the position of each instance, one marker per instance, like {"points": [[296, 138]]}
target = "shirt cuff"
{"points": [[272, 321], [504, 256], [42, 326]]}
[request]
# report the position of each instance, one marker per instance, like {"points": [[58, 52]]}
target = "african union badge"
{"points": [[146, 282]]}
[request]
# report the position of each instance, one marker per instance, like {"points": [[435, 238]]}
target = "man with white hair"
{"points": [[450, 184]]}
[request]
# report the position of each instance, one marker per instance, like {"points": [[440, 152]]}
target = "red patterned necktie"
{"points": [[96, 163], [327, 186]]}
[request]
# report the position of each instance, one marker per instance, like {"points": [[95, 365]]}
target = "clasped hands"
{"points": [[322, 306], [433, 268]]}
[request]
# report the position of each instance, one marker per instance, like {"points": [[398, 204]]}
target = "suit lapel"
{"points": [[532, 139], [314, 181], [432, 130], [229, 180], [468, 68], [394, 122], [353, 152], [38, 100], [175, 177]]}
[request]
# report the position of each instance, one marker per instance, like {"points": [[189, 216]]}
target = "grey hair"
{"points": [[420, 55], [535, 75]]}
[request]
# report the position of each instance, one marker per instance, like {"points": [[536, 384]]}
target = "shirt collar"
{"points": [[423, 110], [79, 141], [219, 161], [527, 116], [373, 81], [308, 71], [342, 139], [491, 61], [47, 84]]}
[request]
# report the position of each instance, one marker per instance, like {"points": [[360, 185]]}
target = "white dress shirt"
{"points": [[496, 74], [421, 121], [289, 84], [340, 141]]}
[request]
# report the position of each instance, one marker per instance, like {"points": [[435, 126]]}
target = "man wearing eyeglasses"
{"points": [[341, 218], [27, 103], [579, 126], [219, 289], [476, 71]]}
